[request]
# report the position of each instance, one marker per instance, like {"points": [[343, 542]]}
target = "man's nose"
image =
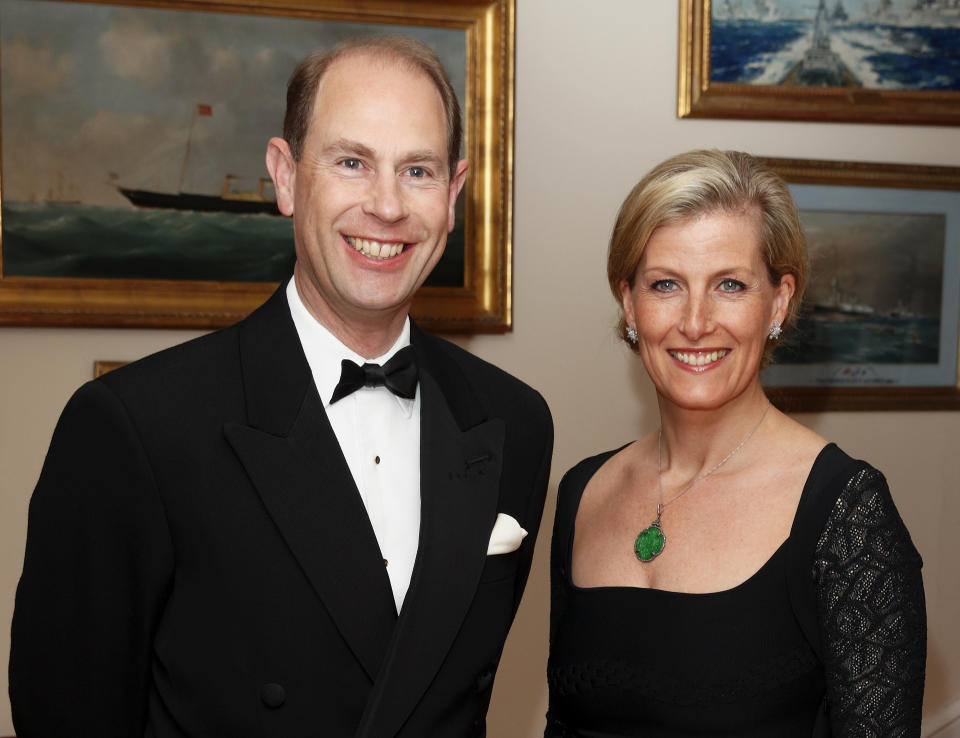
{"points": [[385, 199]]}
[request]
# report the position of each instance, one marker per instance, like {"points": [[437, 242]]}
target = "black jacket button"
{"points": [[484, 680], [273, 695]]}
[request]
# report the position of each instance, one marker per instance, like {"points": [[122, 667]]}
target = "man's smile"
{"points": [[376, 249]]}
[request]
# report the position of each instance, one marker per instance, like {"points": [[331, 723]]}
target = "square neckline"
{"points": [[568, 552]]}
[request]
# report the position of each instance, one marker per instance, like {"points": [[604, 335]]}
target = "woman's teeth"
{"points": [[375, 249], [698, 358]]}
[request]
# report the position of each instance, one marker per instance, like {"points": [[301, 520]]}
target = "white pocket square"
{"points": [[506, 535]]}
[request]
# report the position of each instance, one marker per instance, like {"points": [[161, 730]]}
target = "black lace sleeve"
{"points": [[871, 609]]}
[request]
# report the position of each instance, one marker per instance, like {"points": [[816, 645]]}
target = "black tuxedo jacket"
{"points": [[199, 561]]}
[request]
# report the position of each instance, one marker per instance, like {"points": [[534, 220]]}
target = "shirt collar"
{"points": [[324, 351]]}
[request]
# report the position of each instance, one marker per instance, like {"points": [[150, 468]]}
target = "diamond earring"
{"points": [[775, 331], [632, 334]]}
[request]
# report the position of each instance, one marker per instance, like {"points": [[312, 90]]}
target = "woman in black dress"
{"points": [[732, 573]]}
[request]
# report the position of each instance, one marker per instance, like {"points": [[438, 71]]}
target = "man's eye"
{"points": [[731, 285], [417, 172], [351, 163], [664, 285]]}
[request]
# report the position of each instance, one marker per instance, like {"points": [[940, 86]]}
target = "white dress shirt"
{"points": [[379, 434]]}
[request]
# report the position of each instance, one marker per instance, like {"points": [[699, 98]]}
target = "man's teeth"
{"points": [[698, 358], [375, 249]]}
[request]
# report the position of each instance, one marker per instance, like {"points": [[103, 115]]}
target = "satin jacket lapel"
{"points": [[459, 488], [292, 456]]}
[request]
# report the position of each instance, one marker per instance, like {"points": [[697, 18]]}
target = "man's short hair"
{"points": [[410, 54]]}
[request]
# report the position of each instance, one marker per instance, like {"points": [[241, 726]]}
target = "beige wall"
{"points": [[596, 95]]}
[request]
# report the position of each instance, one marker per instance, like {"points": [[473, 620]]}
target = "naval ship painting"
{"points": [[820, 66], [841, 44]]}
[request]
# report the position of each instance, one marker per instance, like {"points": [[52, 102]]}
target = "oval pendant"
{"points": [[650, 543]]}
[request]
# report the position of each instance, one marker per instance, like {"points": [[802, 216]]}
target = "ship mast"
{"points": [[199, 110]]}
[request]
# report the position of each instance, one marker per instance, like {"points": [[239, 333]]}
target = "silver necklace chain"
{"points": [[724, 460]]}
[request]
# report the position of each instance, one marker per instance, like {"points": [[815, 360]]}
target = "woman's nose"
{"points": [[696, 319]]}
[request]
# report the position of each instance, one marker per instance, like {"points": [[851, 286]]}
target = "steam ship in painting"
{"points": [[228, 201], [840, 306]]}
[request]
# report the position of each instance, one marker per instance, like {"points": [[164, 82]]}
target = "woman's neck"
{"points": [[692, 441]]}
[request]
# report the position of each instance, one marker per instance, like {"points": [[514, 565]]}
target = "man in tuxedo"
{"points": [[310, 523]]}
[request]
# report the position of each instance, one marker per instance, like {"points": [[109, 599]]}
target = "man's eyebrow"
{"points": [[346, 146], [425, 156]]}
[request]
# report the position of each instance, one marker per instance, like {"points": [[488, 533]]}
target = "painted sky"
{"points": [[96, 94]]}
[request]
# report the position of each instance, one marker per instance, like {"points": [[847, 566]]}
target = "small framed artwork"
{"points": [[101, 367], [879, 327], [890, 61], [134, 189]]}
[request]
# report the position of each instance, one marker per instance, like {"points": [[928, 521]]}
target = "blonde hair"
{"points": [[699, 183]]}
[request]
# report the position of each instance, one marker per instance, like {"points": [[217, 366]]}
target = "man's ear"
{"points": [[456, 184], [283, 171]]}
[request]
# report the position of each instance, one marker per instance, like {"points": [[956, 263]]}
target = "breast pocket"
{"points": [[500, 566]]}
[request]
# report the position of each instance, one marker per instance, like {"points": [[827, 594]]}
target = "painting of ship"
{"points": [[133, 140], [866, 44], [839, 306], [820, 66], [228, 201]]}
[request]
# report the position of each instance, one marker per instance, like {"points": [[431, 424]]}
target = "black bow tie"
{"points": [[399, 375]]}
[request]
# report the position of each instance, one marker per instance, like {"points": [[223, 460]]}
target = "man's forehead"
{"points": [[369, 66], [367, 87]]}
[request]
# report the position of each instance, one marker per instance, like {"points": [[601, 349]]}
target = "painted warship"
{"points": [[820, 65]]}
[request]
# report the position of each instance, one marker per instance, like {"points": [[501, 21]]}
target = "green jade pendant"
{"points": [[650, 541]]}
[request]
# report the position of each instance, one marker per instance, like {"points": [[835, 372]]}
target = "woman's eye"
{"points": [[664, 285], [731, 285]]}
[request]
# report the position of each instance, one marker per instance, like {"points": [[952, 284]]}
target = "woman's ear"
{"points": [[782, 296], [626, 301]]}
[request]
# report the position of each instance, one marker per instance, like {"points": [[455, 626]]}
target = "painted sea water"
{"points": [[874, 340], [50, 239], [879, 55], [54, 239]]}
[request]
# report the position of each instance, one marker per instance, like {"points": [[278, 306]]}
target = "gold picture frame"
{"points": [[841, 194], [102, 366], [479, 303], [701, 96]]}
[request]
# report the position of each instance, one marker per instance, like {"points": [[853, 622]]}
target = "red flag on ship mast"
{"points": [[204, 109]]}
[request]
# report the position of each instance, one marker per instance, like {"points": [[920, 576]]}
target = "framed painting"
{"points": [[879, 327], [890, 61], [134, 190]]}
